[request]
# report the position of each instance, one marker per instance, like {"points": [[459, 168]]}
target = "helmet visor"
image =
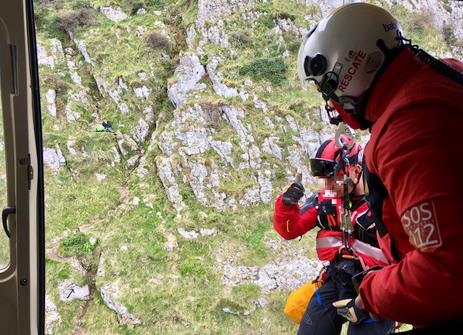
{"points": [[322, 168]]}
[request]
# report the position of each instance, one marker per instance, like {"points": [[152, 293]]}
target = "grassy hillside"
{"points": [[111, 223]]}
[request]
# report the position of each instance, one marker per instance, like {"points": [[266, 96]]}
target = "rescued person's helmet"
{"points": [[344, 51], [323, 165]]}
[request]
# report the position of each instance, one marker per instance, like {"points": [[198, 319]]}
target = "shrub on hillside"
{"points": [[158, 41], [45, 15], [54, 82], [50, 3], [272, 69], [449, 35], [283, 16], [70, 20], [241, 37], [136, 6], [139, 4], [292, 41], [76, 245], [447, 6], [213, 113], [79, 4], [420, 21]]}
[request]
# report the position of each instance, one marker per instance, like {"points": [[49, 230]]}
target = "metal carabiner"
{"points": [[344, 129]]}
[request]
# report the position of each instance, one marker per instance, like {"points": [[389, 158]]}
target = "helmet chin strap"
{"points": [[348, 111], [355, 108]]}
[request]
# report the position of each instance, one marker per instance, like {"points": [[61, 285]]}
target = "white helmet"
{"points": [[342, 53]]}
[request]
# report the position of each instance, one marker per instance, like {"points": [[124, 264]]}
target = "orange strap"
{"points": [[331, 220]]}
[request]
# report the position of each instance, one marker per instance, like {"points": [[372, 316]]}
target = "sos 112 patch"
{"points": [[420, 224]]}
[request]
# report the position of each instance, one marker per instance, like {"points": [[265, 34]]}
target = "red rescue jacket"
{"points": [[293, 221], [414, 166]]}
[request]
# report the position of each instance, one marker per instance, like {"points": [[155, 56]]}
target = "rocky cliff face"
{"points": [[209, 123]]}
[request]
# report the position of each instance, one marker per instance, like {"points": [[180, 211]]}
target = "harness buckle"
{"points": [[346, 253]]}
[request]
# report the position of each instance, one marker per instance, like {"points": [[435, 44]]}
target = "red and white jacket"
{"points": [[293, 221]]}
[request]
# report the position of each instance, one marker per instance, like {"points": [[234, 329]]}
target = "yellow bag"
{"points": [[299, 299]]}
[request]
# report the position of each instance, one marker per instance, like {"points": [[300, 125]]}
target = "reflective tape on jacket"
{"points": [[360, 247], [328, 247]]}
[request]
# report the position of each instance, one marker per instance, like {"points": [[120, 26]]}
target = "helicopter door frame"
{"points": [[22, 282]]}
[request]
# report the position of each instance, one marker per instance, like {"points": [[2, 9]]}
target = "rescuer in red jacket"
{"points": [[349, 248], [374, 78]]}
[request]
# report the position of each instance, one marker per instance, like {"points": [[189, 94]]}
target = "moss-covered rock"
{"points": [[209, 125]]}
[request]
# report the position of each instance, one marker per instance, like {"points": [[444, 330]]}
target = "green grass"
{"points": [[76, 245], [286, 9], [273, 70], [183, 287], [64, 272], [420, 30], [254, 238], [179, 291], [190, 12], [74, 203]]}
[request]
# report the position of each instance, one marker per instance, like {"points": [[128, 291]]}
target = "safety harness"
{"points": [[433, 62]]}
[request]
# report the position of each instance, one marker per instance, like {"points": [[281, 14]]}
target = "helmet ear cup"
{"points": [[318, 65], [315, 66]]}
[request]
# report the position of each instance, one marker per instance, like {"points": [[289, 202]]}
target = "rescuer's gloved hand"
{"points": [[293, 194], [349, 310]]}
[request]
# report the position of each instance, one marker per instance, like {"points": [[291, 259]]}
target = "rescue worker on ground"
{"points": [[107, 125], [347, 253], [375, 78]]}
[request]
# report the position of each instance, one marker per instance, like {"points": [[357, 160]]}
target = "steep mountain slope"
{"points": [[164, 226]]}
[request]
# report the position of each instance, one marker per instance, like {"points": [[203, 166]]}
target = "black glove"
{"points": [[349, 310], [293, 194]]}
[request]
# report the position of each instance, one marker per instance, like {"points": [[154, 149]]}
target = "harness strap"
{"points": [[433, 62]]}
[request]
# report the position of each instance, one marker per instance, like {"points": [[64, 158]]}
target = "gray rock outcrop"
{"points": [[187, 76]]}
